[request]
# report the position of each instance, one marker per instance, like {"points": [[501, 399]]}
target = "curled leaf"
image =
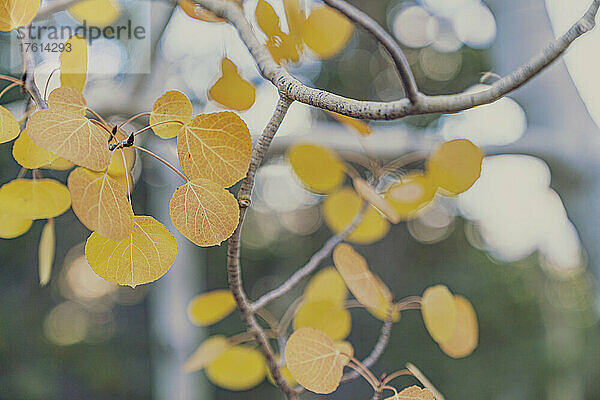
{"points": [[171, 106], [209, 308], [34, 199], [368, 193]]}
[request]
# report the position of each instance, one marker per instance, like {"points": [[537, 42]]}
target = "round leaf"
{"points": [[204, 212], [319, 169], [12, 226], [231, 90], [67, 98], [327, 284], [439, 312], [171, 106], [17, 13], [330, 318], [465, 336], [34, 199], [142, 257], [239, 368], [327, 31], [455, 165], [209, 350], [30, 155], [9, 127], [209, 308]]}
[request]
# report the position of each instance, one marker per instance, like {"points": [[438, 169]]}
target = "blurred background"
{"points": [[521, 244]]}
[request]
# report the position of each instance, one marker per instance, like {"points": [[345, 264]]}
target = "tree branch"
{"points": [[296, 90], [233, 252], [370, 25]]}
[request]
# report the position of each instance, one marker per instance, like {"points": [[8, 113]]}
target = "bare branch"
{"points": [[370, 25], [312, 264]]}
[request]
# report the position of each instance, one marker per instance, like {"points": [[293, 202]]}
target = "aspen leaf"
{"points": [[466, 333], [238, 368], [267, 19], [12, 226], [67, 98], [231, 90], [340, 209], [346, 351], [171, 106], [101, 203], [455, 165], [314, 360], [353, 123], [204, 212], [328, 317], [17, 13], [368, 193], [411, 195], [46, 252], [70, 135], [283, 48], [285, 372], [73, 64], [386, 298], [439, 312], [413, 393], [119, 165], [30, 155], [209, 308], [327, 284], [59, 164], [9, 127], [215, 146], [196, 11], [319, 169], [209, 350], [34, 199], [326, 31], [96, 12], [142, 257]]}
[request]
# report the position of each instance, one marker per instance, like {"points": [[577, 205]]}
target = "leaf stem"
{"points": [[162, 160], [6, 89], [394, 375], [157, 124], [365, 372], [100, 118], [133, 118]]}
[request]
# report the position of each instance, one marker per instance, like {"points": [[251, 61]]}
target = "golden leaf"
{"points": [[59, 164], [326, 31], [368, 193], [353, 123], [466, 333], [46, 252], [238, 368], [327, 284], [341, 208], [17, 13], [439, 312], [346, 351], [412, 194], [171, 106], [319, 169], [30, 155], [70, 135], [142, 257], [117, 167], [210, 308], [204, 212], [73, 64], [215, 146], [101, 203], [209, 350], [413, 393], [314, 360], [67, 98], [96, 12], [231, 90], [416, 372], [12, 226], [195, 11], [9, 127], [455, 165], [267, 19], [34, 199], [328, 317]]}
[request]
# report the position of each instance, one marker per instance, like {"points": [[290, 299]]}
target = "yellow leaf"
{"points": [[267, 19], [59, 164], [346, 351], [340, 209], [231, 90], [239, 368], [17, 13], [327, 284], [414, 192], [46, 252], [96, 12], [171, 106], [283, 48], [330, 318], [67, 98], [204, 212], [195, 11], [314, 360], [382, 311], [30, 155], [73, 64], [142, 257], [215, 146], [9, 127], [285, 372], [72, 136], [319, 169], [466, 334], [296, 18], [34, 199], [368, 193], [413, 393], [101, 203], [210, 308], [326, 31], [355, 124], [209, 350], [117, 168], [364, 285], [455, 165], [439, 312], [12, 226]]}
